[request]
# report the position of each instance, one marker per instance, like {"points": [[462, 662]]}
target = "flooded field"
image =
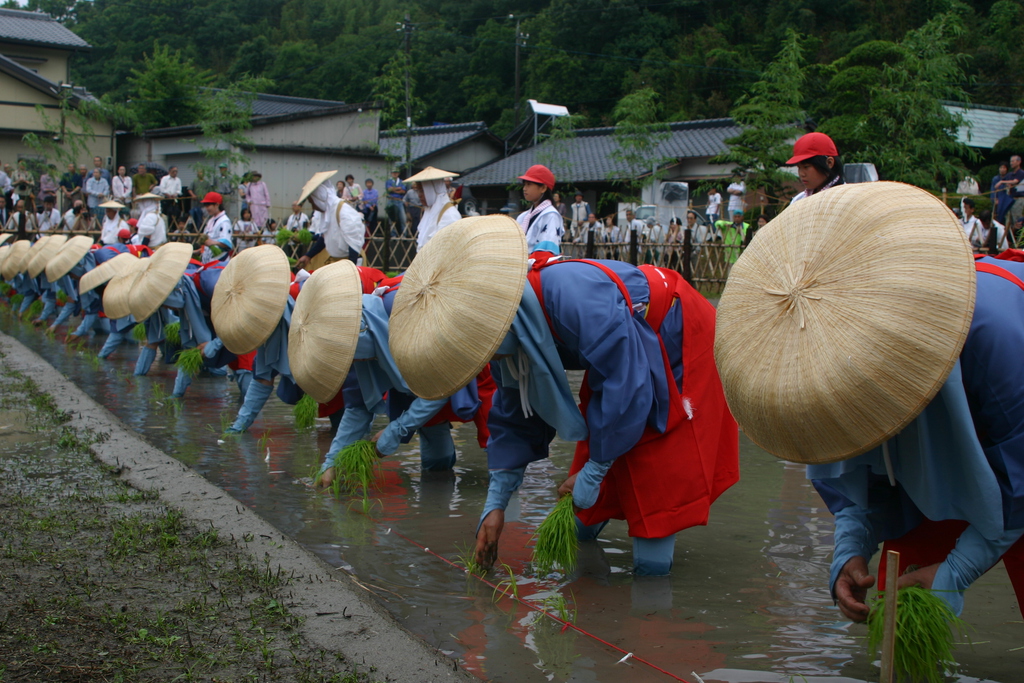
{"points": [[747, 600]]}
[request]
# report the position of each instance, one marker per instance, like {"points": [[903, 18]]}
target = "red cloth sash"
{"points": [[243, 362]]}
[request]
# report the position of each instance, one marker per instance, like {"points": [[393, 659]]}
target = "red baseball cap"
{"points": [[124, 233], [813, 145], [212, 198], [541, 175], [134, 222]]}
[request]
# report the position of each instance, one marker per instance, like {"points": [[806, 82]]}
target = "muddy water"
{"points": [[747, 600]]}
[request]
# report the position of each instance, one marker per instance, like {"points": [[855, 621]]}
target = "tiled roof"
{"points": [[984, 125], [43, 85], [36, 28], [587, 157], [275, 105], [428, 140]]}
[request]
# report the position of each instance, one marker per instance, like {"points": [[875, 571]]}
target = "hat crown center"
{"points": [[794, 294]]}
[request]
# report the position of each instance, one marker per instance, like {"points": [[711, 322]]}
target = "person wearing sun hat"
{"points": [[145, 204], [116, 306], [113, 223], [857, 336], [439, 211], [818, 164], [655, 447], [46, 290], [73, 260], [94, 271], [342, 232], [542, 224], [29, 282]]}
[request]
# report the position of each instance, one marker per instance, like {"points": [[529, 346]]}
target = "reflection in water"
{"points": [[747, 601]]}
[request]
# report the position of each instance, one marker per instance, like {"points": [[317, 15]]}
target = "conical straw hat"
{"points": [[116, 296], [51, 246], [33, 250], [430, 173], [111, 204], [158, 280], [5, 251], [843, 318], [313, 183], [457, 302], [12, 264], [325, 329], [73, 251], [6, 236], [250, 297], [106, 271]]}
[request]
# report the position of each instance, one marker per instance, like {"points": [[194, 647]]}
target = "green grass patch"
{"points": [[305, 412], [139, 333], [925, 625], [190, 361], [556, 545]]}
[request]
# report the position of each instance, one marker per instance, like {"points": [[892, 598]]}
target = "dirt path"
{"points": [[169, 581]]}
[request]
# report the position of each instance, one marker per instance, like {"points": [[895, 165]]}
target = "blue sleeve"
{"points": [[516, 440], [501, 484], [588, 483], [88, 321], [591, 319], [355, 423], [415, 416], [316, 247], [973, 556], [66, 312], [854, 537]]}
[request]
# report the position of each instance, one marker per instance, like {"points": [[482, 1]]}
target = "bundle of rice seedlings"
{"points": [[5, 288], [924, 634], [62, 298], [172, 333], [139, 333], [283, 237], [293, 262], [356, 468], [34, 310], [190, 361], [304, 236], [17, 299], [305, 412], [556, 544]]}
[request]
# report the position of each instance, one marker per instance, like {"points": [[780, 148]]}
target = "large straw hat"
{"points": [[843, 318], [33, 250], [156, 282], [119, 289], [148, 195], [12, 264], [106, 271], [325, 329], [457, 302], [313, 183], [6, 236], [250, 297], [49, 246], [111, 204], [431, 173], [71, 252]]}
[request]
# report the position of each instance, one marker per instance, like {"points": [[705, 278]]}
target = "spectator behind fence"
{"points": [[97, 162], [737, 189], [396, 192], [48, 184], [1013, 181], [48, 218], [24, 182], [368, 205], [224, 185], [350, 190], [258, 197], [85, 175], [298, 220], [5, 185], [22, 222], [247, 227], [170, 189], [5, 213], [579, 212], [72, 217], [121, 187], [1000, 194], [972, 226], [714, 205], [96, 192], [142, 182], [583, 231], [413, 207], [561, 207], [992, 235], [734, 235], [70, 187]]}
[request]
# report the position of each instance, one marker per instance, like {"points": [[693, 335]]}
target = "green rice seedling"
{"points": [[467, 560], [292, 262], [226, 420], [190, 361], [157, 393], [17, 299], [356, 468], [264, 440], [557, 605], [50, 332], [506, 587], [62, 298], [172, 333], [924, 634], [34, 310], [304, 236], [555, 541], [283, 237], [305, 412], [94, 360], [5, 288], [139, 333]]}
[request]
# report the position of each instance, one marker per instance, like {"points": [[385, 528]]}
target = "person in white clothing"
{"points": [[245, 226], [440, 210], [316, 223], [151, 230], [542, 222], [146, 203], [579, 211], [298, 220], [170, 184], [972, 226], [49, 219], [343, 230], [714, 205], [737, 189], [632, 224], [112, 222], [121, 187], [218, 225]]}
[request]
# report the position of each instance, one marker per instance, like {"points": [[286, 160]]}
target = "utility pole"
{"points": [[520, 42], [407, 26]]}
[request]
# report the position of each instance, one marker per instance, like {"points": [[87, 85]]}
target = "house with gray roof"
{"points": [[455, 147]]}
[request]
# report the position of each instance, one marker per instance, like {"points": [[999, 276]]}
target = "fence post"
{"points": [[634, 239], [591, 249], [386, 247], [687, 255]]}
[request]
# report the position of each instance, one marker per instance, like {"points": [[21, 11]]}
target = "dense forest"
{"points": [[857, 59]]}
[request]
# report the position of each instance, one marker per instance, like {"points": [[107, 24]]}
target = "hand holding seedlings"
{"points": [[922, 577], [374, 442], [486, 553], [852, 589]]}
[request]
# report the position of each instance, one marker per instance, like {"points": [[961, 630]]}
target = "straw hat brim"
{"points": [[148, 195], [457, 302], [118, 292], [843, 318], [250, 297], [325, 329], [111, 205], [12, 264], [71, 252], [158, 280], [6, 236], [5, 251], [106, 271], [50, 246], [33, 250], [430, 173], [313, 183]]}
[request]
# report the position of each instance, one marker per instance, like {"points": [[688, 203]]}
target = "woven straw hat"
{"points": [[457, 302], [843, 318], [6, 236], [12, 264], [111, 204], [33, 250], [430, 173], [250, 297], [148, 195], [119, 289], [313, 183], [106, 271], [325, 329], [154, 284], [71, 252], [49, 246]]}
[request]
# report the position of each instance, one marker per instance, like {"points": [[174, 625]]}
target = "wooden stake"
{"points": [[892, 577]]}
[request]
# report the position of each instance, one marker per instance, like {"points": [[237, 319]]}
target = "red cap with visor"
{"points": [[813, 145], [541, 175]]}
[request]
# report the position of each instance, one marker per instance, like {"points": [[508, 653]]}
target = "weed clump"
{"points": [[556, 544]]}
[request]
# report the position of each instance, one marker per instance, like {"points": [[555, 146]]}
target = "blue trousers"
{"points": [[651, 556]]}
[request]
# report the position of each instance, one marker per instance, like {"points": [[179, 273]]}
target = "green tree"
{"points": [[225, 117], [69, 133], [638, 137], [770, 116], [165, 90]]}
